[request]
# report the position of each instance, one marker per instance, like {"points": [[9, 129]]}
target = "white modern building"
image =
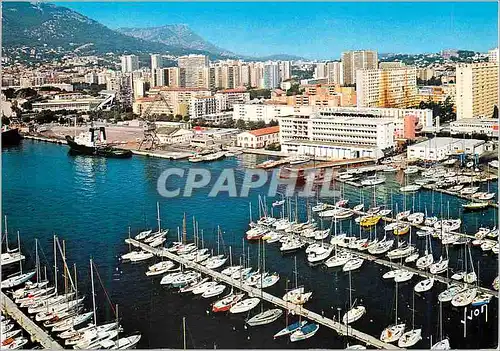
{"points": [[486, 126], [156, 61], [493, 55], [437, 149], [271, 76], [171, 136], [266, 112], [130, 63], [336, 137], [219, 117]]}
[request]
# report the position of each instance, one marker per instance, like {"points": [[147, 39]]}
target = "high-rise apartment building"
{"points": [[159, 77], [335, 73], [271, 75], [176, 77], [194, 66], [156, 61], [356, 60], [493, 55], [394, 87], [320, 71], [285, 70], [130, 63], [476, 89]]}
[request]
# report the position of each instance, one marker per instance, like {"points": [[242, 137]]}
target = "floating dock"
{"points": [[37, 334], [297, 309]]}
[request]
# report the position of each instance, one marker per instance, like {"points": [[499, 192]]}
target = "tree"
{"points": [[186, 118], [26, 93], [259, 125], [273, 123], [240, 124], [5, 120], [9, 93], [495, 112], [251, 125]]}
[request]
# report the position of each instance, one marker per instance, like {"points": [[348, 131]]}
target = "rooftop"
{"points": [[440, 142], [265, 131]]}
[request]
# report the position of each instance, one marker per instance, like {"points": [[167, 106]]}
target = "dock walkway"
{"points": [[298, 310], [37, 333]]}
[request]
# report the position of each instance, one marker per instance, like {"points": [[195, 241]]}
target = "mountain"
{"points": [[57, 29], [179, 35], [49, 26]]}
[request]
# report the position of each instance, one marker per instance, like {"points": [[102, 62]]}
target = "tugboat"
{"points": [[93, 143], [10, 136]]}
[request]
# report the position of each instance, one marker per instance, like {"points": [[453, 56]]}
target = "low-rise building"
{"points": [[259, 138], [218, 118], [336, 137], [171, 136], [72, 101], [486, 126], [439, 148]]}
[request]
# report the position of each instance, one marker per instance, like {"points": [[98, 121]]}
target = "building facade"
{"points": [[130, 63], [485, 126], [438, 149], [259, 138], [392, 88], [356, 60], [477, 89], [195, 70]]}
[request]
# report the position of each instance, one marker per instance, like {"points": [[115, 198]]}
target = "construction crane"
{"points": [[149, 126]]}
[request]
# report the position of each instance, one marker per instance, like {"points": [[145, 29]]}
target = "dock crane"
{"points": [[149, 127]]}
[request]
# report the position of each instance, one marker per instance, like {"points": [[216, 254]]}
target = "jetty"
{"points": [[340, 328], [465, 197], [37, 334]]}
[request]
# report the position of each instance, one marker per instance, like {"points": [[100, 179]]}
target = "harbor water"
{"points": [[91, 203]]}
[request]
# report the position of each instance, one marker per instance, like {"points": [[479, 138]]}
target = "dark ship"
{"points": [[10, 136], [93, 143]]}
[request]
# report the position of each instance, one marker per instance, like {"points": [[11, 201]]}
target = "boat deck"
{"points": [[298, 310], [37, 334]]}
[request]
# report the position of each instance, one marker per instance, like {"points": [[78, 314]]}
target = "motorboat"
{"points": [[352, 264], [482, 299], [410, 188], [411, 170], [304, 332], [424, 285], [244, 305], [265, 317], [320, 254], [369, 221]]}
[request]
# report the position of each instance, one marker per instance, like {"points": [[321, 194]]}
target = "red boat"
{"points": [[227, 302]]}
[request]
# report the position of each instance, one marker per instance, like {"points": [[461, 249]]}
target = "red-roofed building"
{"points": [[259, 138]]}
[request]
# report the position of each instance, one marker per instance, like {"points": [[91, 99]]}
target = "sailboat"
{"points": [[305, 332], [393, 332], [412, 336], [427, 259], [354, 313], [298, 295], [19, 278], [471, 276], [11, 256], [443, 343]]}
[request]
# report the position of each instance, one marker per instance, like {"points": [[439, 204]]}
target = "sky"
{"points": [[314, 30]]}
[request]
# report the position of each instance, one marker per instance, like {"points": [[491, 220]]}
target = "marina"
{"points": [[329, 285]]}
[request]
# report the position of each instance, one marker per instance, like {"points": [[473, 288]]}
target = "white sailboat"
{"points": [[412, 336], [443, 343], [355, 312], [393, 332]]}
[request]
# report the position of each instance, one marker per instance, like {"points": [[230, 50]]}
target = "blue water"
{"points": [[91, 203]]}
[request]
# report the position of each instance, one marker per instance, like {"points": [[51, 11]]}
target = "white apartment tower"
{"points": [[476, 89], [356, 60], [130, 63], [271, 76], [156, 61], [335, 73], [194, 66]]}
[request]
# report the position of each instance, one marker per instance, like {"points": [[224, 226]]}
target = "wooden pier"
{"points": [[465, 197], [37, 334], [340, 328]]}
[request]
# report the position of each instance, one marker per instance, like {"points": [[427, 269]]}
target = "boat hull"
{"points": [[77, 149], [11, 137]]}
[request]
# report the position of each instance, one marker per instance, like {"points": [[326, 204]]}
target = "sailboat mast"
{"points": [[296, 279], [93, 290], [158, 215], [37, 263], [55, 265], [19, 246], [184, 331], [396, 322], [6, 234]]}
